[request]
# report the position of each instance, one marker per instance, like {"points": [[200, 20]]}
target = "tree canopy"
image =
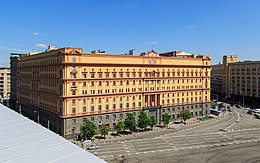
{"points": [[120, 126], [166, 118], [88, 130], [185, 114], [104, 130], [143, 121], [152, 122], [130, 123]]}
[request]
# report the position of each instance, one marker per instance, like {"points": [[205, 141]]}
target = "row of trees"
{"points": [[88, 130]]}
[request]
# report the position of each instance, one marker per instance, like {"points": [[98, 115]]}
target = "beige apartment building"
{"points": [[65, 86], [237, 81], [4, 82]]}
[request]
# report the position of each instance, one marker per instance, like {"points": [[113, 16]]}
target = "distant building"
{"points": [[66, 86], [239, 81], [4, 82], [14, 60]]}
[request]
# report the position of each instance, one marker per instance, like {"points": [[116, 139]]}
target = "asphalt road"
{"points": [[206, 138]]}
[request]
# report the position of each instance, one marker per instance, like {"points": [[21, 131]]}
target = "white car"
{"points": [[256, 110], [92, 147]]}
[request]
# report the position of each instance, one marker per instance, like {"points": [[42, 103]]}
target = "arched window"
{"points": [[84, 109], [73, 111], [107, 107], [114, 106], [127, 105], [92, 109], [121, 105], [99, 107], [133, 105]]}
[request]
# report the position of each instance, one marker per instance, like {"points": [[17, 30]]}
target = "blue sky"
{"points": [[210, 27]]}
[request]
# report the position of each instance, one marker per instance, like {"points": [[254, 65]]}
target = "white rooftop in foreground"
{"points": [[24, 141]]}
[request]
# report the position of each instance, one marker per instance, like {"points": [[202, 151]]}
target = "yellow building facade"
{"points": [[65, 86]]}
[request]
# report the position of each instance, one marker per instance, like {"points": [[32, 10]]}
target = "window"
{"points": [[100, 75], [92, 75], [139, 104], [133, 105], [92, 84], [127, 105], [84, 84], [107, 107], [121, 75], [107, 75], [114, 75], [121, 106], [73, 110], [73, 92], [107, 117], [92, 109], [99, 107], [84, 109], [74, 59], [73, 102], [114, 106], [84, 76]]}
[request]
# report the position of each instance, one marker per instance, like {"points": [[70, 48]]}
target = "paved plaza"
{"points": [[203, 142]]}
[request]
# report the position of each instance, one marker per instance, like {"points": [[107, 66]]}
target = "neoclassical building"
{"points": [[65, 86]]}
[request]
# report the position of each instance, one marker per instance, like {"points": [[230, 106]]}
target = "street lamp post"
{"points": [[48, 124], [243, 97], [20, 109], [38, 116], [232, 95], [19, 106]]}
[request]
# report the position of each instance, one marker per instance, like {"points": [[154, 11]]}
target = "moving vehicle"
{"points": [[92, 147]]}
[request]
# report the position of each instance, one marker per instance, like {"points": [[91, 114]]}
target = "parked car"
{"points": [[92, 147], [256, 110], [250, 112]]}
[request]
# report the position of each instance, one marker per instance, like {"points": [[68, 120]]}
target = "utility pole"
{"points": [[48, 124], [38, 116]]}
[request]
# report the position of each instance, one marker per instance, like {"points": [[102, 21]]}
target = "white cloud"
{"points": [[9, 49], [35, 33], [154, 43], [41, 45]]}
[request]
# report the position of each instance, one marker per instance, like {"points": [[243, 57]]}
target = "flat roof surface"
{"points": [[22, 140]]}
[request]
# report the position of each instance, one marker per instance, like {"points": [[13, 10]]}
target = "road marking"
{"points": [[145, 148]]}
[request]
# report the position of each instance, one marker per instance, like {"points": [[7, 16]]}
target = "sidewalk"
{"points": [[157, 131]]}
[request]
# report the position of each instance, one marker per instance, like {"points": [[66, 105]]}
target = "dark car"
{"points": [[250, 112]]}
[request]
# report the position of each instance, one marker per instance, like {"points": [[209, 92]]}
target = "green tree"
{"points": [[88, 130], [104, 130], [152, 122], [143, 120], [185, 114], [119, 126], [166, 118], [130, 123]]}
